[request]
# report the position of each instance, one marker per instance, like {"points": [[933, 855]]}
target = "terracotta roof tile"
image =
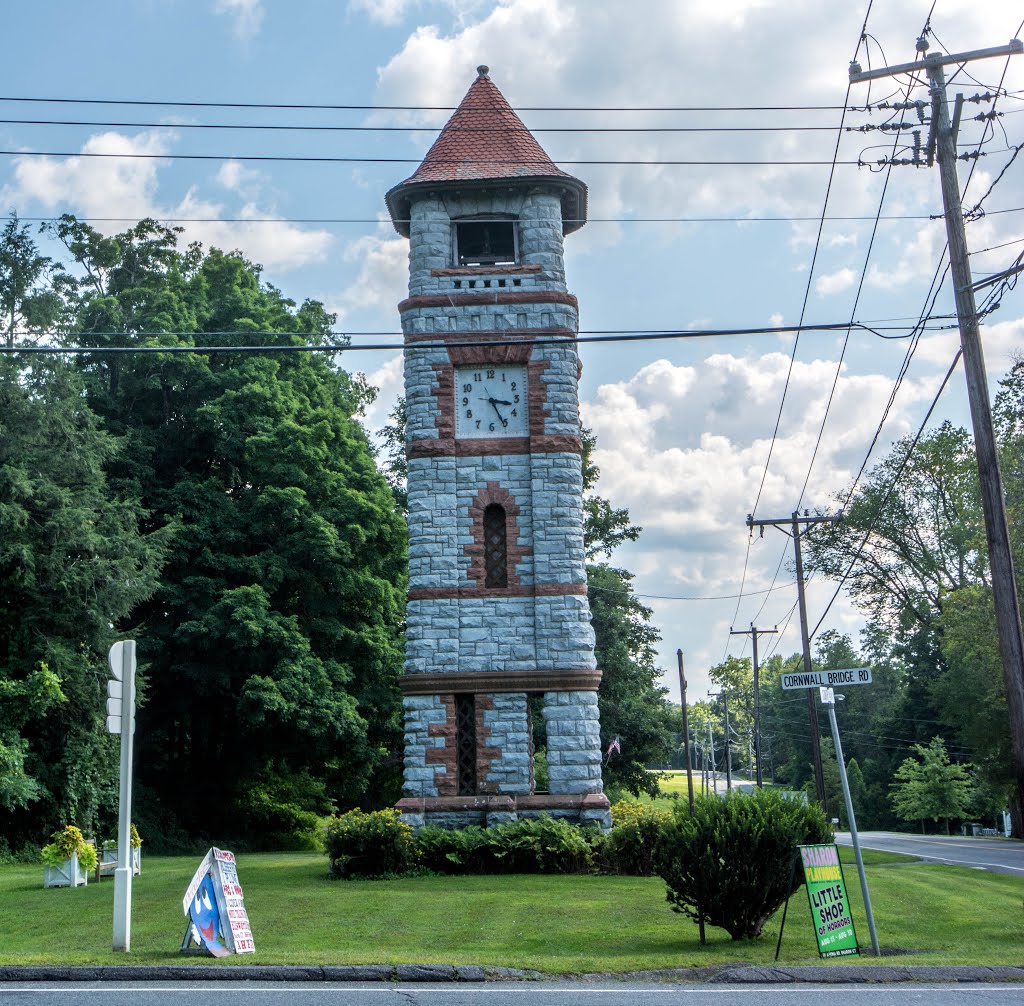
{"points": [[484, 139]]}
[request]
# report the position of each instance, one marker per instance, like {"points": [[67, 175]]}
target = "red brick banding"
{"points": [[521, 590], [493, 493], [497, 354], [446, 756], [502, 336], [487, 297], [485, 756], [507, 804], [451, 448], [504, 682]]}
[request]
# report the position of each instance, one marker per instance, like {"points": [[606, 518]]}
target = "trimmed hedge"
{"points": [[733, 857]]}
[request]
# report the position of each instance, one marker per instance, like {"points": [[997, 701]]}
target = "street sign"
{"points": [[121, 659], [827, 679], [121, 720]]}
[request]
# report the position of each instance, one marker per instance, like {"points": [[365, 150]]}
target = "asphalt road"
{"points": [[997, 855], [519, 994]]}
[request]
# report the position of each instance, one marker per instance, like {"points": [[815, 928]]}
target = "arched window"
{"points": [[495, 547]]}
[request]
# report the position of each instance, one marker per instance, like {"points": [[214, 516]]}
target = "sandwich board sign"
{"points": [[213, 903], [826, 895]]}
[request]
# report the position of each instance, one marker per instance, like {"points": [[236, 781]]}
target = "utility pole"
{"points": [[686, 728], [724, 696], [1004, 588], [794, 521], [711, 764], [754, 632]]}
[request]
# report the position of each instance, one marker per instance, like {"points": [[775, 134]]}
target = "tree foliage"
{"points": [[270, 644], [930, 787]]}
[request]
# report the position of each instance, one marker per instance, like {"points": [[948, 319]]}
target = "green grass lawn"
{"points": [[551, 923]]}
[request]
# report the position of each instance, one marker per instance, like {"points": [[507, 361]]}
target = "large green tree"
{"points": [[930, 787], [73, 565], [271, 647]]}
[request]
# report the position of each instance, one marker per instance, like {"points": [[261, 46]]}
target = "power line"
{"points": [[639, 336], [317, 128], [325, 159], [430, 108], [571, 220]]}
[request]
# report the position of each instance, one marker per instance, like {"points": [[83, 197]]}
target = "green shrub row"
{"points": [[730, 860]]}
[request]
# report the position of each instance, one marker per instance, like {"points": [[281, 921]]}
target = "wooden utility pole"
{"points": [[794, 521], [686, 728], [1004, 587], [754, 632]]}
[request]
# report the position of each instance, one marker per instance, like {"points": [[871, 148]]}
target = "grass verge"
{"points": [[551, 923]]}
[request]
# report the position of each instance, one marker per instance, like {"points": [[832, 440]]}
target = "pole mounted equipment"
{"points": [[1004, 587]]}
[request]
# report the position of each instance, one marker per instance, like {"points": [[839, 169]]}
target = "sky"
{"points": [[748, 92]]}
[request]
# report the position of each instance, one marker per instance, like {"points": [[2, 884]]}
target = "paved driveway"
{"points": [[998, 855]]}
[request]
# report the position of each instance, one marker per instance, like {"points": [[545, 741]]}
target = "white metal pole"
{"points": [[123, 873], [831, 707]]}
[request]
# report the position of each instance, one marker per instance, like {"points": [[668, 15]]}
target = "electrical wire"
{"points": [[457, 162]]}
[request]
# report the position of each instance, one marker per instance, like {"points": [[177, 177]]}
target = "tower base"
{"points": [[488, 811]]}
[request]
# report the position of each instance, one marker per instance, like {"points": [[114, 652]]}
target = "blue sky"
{"points": [[684, 428]]}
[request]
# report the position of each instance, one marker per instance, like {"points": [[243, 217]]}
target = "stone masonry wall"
{"points": [[423, 715], [574, 742]]}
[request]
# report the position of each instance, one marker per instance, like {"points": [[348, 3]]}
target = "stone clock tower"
{"points": [[499, 639]]}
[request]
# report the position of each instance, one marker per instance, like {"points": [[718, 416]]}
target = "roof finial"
{"points": [[483, 70]]}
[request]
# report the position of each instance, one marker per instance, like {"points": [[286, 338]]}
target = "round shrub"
{"points": [[734, 857], [630, 846], [368, 845]]}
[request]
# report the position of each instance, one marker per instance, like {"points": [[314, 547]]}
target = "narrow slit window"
{"points": [[495, 547], [465, 744], [485, 242]]}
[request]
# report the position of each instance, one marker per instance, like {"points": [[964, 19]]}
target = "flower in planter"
{"points": [[67, 843]]}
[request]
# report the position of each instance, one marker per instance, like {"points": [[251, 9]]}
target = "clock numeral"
{"points": [[516, 399], [467, 388], [478, 424], [469, 413], [515, 412], [491, 427], [514, 388], [504, 422], [465, 401], [490, 375], [477, 377]]}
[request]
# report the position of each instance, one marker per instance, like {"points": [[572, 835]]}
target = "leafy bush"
{"points": [[456, 850], [369, 845], [629, 847], [544, 845], [734, 857], [67, 843]]}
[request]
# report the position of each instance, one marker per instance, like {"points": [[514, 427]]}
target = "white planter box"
{"points": [[70, 874], [108, 862]]}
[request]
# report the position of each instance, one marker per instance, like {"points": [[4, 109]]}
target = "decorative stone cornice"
{"points": [[489, 297], [517, 590], [448, 447], [492, 682]]}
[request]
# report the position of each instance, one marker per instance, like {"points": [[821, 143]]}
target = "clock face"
{"points": [[490, 401]]}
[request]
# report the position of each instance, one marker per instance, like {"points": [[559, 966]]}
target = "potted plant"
{"points": [[67, 859], [108, 851]]}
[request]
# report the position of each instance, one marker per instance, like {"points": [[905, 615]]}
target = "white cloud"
{"points": [[247, 15], [684, 448], [128, 188], [836, 282], [383, 277]]}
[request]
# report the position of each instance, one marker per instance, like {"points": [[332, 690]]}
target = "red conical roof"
{"points": [[485, 140]]}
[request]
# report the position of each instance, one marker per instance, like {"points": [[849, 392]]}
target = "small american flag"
{"points": [[614, 747]]}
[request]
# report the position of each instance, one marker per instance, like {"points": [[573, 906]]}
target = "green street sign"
{"points": [[826, 895]]}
